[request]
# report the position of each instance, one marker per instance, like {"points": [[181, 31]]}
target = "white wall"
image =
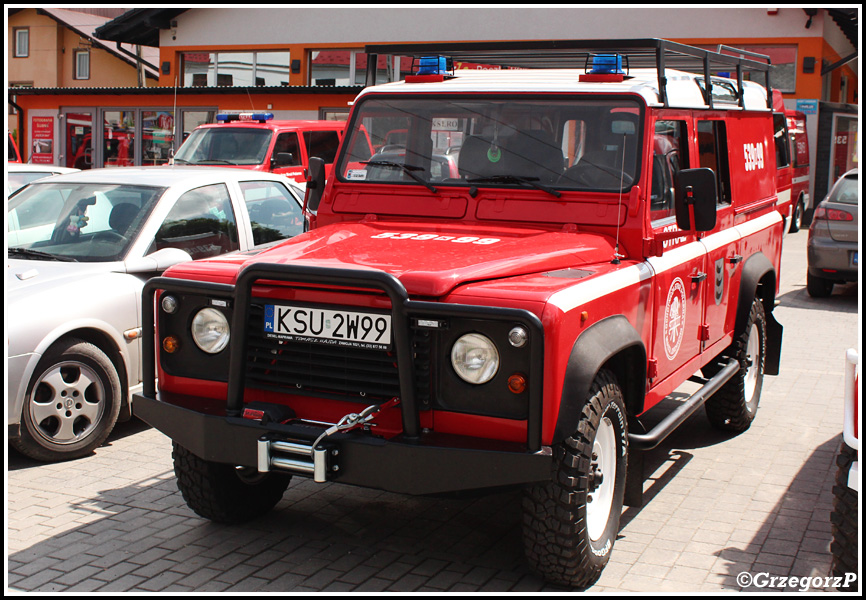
{"points": [[323, 24]]}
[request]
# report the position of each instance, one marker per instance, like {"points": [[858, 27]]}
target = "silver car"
{"points": [[81, 247], [833, 236], [20, 174]]}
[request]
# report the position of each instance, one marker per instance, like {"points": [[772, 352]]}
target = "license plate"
{"points": [[370, 331]]}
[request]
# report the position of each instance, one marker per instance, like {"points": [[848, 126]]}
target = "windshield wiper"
{"points": [[216, 161], [39, 255], [408, 169], [530, 181]]}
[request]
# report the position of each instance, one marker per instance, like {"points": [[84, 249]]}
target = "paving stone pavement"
{"points": [[716, 506]]}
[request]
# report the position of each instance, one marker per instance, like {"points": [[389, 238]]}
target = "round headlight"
{"points": [[210, 330], [475, 358]]}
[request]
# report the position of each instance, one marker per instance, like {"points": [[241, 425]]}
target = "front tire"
{"points": [[72, 403], [844, 522], [225, 493], [570, 523], [734, 406]]}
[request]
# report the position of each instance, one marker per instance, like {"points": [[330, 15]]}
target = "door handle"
{"points": [[698, 277]]}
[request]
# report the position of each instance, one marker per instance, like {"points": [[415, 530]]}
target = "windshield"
{"points": [[15, 180], [559, 144], [87, 222], [225, 146]]}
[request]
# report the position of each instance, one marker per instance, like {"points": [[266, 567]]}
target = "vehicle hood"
{"points": [[430, 261], [25, 278]]}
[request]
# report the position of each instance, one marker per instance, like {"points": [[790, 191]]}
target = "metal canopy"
{"points": [[576, 54]]}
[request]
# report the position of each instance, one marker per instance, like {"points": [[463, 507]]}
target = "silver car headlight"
{"points": [[210, 330], [475, 358]]}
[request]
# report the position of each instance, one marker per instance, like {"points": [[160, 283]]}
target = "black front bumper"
{"points": [[432, 463]]}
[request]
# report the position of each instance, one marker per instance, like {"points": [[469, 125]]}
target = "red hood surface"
{"points": [[431, 261]]}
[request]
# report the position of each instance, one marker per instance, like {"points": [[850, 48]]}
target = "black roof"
{"points": [[139, 26]]}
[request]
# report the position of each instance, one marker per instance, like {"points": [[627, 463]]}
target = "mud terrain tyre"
{"points": [[570, 523], [844, 521], [734, 406], [72, 403], [225, 493]]}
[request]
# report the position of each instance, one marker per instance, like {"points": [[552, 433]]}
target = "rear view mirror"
{"points": [[315, 184], [695, 201]]}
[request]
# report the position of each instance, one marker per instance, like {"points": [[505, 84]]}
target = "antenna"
{"points": [[176, 120], [616, 254]]}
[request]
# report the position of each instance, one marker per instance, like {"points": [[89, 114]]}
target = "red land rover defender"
{"points": [[610, 233], [256, 141]]}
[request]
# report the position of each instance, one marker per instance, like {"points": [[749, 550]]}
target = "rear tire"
{"points": [[797, 217], [570, 523], [818, 287], [225, 493], [734, 406]]}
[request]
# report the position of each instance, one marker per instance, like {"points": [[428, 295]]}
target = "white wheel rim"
{"points": [[67, 403], [600, 500], [750, 381]]}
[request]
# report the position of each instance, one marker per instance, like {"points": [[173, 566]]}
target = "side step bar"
{"points": [[640, 442]]}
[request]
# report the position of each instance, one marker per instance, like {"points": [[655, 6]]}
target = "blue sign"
{"points": [[808, 107]]}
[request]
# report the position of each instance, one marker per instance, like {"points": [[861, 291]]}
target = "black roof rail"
{"points": [[642, 53]]}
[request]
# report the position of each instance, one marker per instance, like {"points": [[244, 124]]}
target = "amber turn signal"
{"points": [[171, 344], [517, 383]]}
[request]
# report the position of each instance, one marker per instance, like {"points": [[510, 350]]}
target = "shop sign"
{"points": [[42, 136]]}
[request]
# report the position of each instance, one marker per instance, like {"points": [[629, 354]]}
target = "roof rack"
{"points": [[642, 53]]}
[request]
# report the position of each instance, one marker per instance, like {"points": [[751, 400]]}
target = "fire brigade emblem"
{"points": [[675, 318]]}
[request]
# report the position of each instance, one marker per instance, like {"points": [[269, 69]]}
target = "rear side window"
{"points": [[322, 144], [780, 138], [202, 222], [713, 154]]}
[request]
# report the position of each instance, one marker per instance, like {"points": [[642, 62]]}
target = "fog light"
{"points": [[171, 344], [518, 337], [169, 304], [517, 383]]}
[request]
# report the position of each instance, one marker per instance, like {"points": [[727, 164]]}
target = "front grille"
{"points": [[317, 370]]}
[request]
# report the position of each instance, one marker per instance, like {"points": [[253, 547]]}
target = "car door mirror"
{"points": [[158, 261], [282, 159], [695, 200], [315, 184]]}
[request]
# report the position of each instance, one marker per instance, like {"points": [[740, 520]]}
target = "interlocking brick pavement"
{"points": [[715, 506]]}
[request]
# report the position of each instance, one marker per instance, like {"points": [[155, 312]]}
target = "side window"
{"points": [[274, 212], [782, 145], [322, 144], [670, 153], [288, 142], [201, 222], [713, 154]]}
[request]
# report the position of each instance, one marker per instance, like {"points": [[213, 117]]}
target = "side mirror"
{"points": [[282, 159], [695, 200], [158, 261], [315, 184]]}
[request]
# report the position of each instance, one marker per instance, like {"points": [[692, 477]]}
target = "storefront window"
{"points": [[118, 148], [190, 119], [157, 136], [236, 68]]}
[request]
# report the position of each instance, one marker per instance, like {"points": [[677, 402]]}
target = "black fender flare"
{"points": [[758, 271], [593, 349]]}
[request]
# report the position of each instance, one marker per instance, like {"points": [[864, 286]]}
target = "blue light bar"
{"points": [[246, 116], [434, 65], [607, 64]]}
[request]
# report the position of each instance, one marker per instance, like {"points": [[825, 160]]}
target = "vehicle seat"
{"points": [[121, 217], [534, 153], [479, 158]]}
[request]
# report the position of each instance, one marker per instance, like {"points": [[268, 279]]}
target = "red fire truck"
{"points": [[612, 232], [256, 141]]}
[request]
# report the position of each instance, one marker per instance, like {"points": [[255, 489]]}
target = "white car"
{"points": [[80, 248], [20, 174]]}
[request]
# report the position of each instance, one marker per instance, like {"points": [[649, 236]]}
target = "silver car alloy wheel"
{"points": [[67, 402]]}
